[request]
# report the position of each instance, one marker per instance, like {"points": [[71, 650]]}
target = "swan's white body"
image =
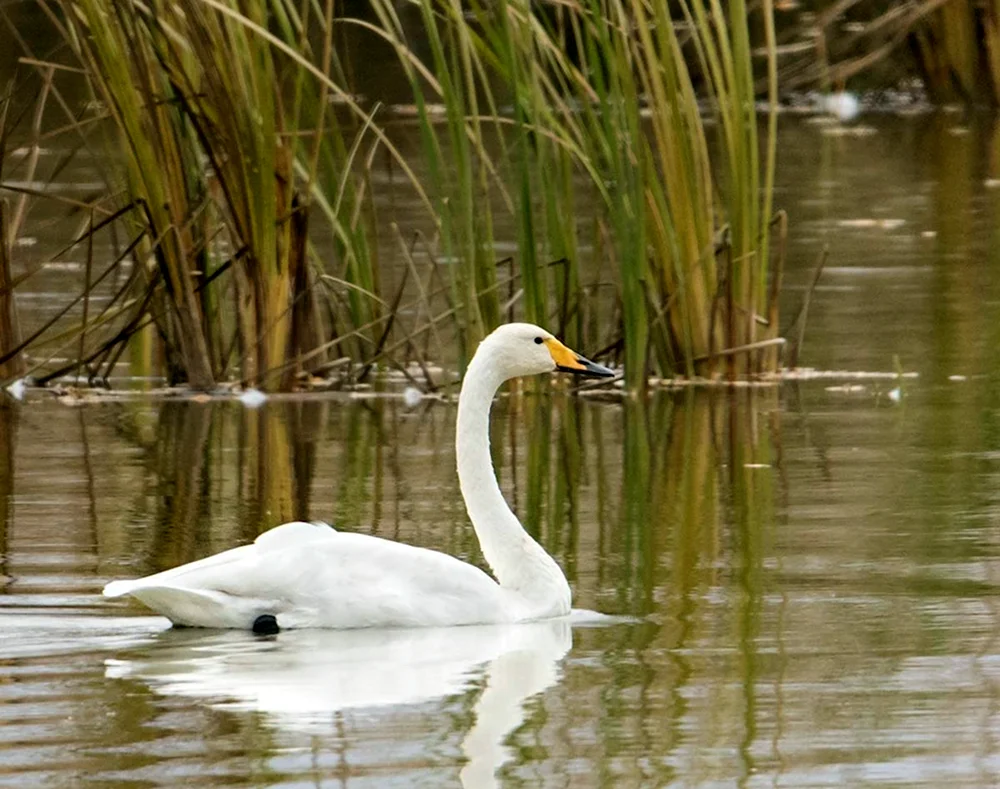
{"points": [[309, 575]]}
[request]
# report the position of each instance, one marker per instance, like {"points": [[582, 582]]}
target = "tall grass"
{"points": [[948, 51], [230, 149], [603, 90], [953, 46], [957, 46], [221, 114]]}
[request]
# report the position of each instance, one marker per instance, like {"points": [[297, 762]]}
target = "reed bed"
{"points": [[944, 51], [957, 47], [248, 241]]}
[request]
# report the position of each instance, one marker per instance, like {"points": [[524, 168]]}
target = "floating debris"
{"points": [[253, 398], [412, 396], [991, 183], [847, 388], [809, 373], [895, 394], [756, 465], [413, 111], [883, 224], [56, 186], [842, 105], [20, 153], [16, 389], [958, 378], [929, 234], [848, 131]]}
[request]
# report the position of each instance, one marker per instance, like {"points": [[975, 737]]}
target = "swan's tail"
{"points": [[193, 595], [193, 607], [118, 588]]}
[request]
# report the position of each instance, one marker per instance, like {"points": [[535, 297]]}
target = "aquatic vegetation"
{"points": [[947, 51], [248, 194], [603, 96], [957, 48]]}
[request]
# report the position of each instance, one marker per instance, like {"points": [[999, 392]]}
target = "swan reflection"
{"points": [[301, 679]]}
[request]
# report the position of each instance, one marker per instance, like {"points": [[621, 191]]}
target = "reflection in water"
{"points": [[812, 613], [649, 506], [305, 680], [8, 440], [821, 586]]}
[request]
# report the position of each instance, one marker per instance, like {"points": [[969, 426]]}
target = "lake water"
{"points": [[810, 570]]}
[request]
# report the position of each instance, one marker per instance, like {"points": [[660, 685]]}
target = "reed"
{"points": [[250, 207], [459, 166], [603, 90], [957, 48], [951, 54], [10, 334], [230, 149]]}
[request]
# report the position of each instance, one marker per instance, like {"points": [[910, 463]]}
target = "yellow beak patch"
{"points": [[564, 358]]}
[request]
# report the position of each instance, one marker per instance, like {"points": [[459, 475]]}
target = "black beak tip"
{"points": [[589, 369]]}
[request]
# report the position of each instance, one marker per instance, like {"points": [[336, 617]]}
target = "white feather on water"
{"points": [[253, 398], [17, 389]]}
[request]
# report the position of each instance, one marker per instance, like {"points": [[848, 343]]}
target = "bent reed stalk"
{"points": [[584, 128]]}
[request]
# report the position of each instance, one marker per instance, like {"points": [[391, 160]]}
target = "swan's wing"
{"points": [[312, 576], [293, 534], [356, 580], [288, 535], [193, 594]]}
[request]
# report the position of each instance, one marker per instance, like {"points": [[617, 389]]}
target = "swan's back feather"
{"points": [[295, 533], [288, 535], [309, 575]]}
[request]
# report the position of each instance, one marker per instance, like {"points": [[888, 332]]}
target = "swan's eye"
{"points": [[538, 340]]}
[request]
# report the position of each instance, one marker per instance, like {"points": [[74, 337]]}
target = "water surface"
{"points": [[811, 569]]}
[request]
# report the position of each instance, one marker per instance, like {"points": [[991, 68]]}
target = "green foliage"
{"points": [[247, 164], [602, 90]]}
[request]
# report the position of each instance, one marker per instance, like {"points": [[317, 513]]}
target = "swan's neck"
{"points": [[519, 563]]}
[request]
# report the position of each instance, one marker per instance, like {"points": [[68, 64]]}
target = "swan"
{"points": [[308, 575]]}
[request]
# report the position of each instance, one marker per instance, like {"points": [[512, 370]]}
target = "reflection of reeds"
{"points": [[8, 443], [221, 475], [12, 365], [183, 466], [267, 451], [694, 477]]}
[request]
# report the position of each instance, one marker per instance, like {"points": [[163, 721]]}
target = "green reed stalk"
{"points": [[110, 40], [223, 109], [624, 109], [459, 163], [215, 149]]}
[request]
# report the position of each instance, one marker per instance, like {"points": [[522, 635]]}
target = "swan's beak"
{"points": [[571, 362]]}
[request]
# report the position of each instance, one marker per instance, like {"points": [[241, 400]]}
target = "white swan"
{"points": [[309, 575]]}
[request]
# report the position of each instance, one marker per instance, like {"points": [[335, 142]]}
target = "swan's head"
{"points": [[517, 349]]}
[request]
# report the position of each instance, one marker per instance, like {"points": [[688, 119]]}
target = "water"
{"points": [[809, 572], [813, 577]]}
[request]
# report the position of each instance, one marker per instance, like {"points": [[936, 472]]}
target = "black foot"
{"points": [[266, 625]]}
